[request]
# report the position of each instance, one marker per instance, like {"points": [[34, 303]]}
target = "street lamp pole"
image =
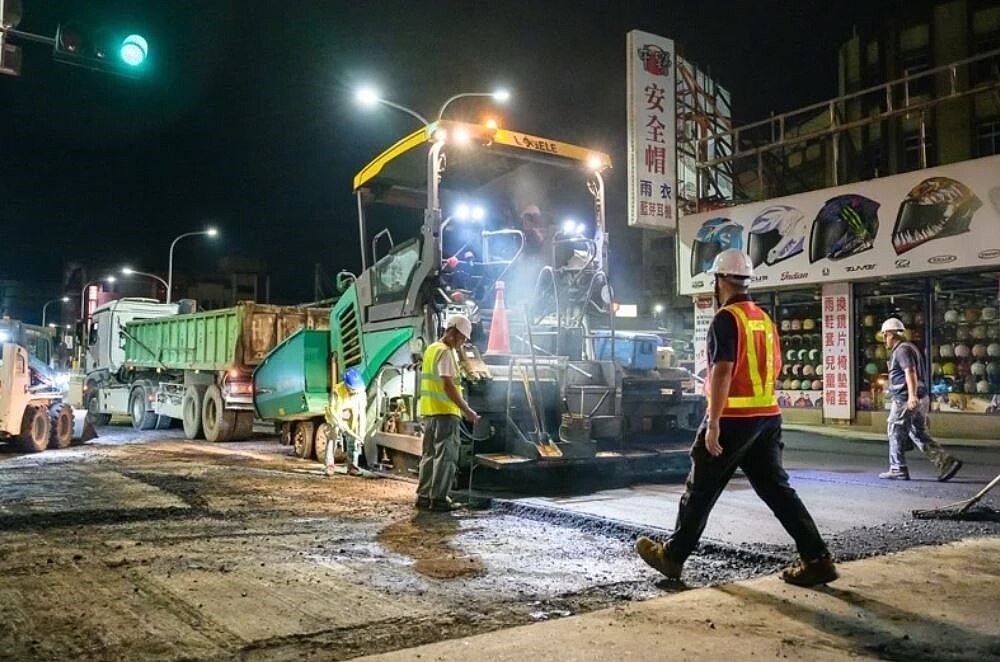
{"points": [[46, 306], [500, 95], [132, 272], [211, 232]]}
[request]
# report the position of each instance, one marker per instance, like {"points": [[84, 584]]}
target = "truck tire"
{"points": [[244, 426], [34, 429], [142, 418], [163, 422], [191, 407], [284, 433], [302, 438], [96, 417], [60, 425], [217, 421]]}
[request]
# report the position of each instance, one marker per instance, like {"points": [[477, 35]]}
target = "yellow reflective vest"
{"points": [[433, 399]]}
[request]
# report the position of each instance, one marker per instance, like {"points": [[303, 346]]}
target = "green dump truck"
{"points": [[152, 364]]}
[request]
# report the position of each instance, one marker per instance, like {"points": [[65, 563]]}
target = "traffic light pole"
{"points": [[29, 36]]}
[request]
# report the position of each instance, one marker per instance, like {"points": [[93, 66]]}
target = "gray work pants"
{"points": [[906, 426], [440, 456]]}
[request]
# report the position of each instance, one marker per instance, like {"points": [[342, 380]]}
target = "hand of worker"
{"points": [[911, 403], [472, 416], [712, 439]]}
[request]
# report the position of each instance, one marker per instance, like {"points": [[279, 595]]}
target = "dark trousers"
{"points": [[754, 445]]}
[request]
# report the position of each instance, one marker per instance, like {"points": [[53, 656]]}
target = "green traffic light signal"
{"points": [[133, 50]]}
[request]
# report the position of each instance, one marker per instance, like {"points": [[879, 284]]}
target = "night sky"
{"points": [[246, 118]]}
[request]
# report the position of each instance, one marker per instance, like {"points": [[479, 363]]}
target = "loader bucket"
{"points": [[83, 427]]}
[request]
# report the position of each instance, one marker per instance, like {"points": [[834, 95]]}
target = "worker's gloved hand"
{"points": [[472, 416]]}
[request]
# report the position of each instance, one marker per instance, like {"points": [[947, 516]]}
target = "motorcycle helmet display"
{"points": [[936, 207], [714, 236], [845, 226], [993, 350], [778, 233]]}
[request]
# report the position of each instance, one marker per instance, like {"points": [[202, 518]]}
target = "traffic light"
{"points": [[122, 52], [10, 55]]}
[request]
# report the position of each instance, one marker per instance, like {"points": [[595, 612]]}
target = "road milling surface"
{"points": [[150, 547]]}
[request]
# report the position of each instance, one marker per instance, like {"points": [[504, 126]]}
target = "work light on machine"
{"points": [[467, 212], [573, 228]]}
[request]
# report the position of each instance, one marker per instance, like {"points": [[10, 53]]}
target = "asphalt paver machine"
{"points": [[508, 229]]}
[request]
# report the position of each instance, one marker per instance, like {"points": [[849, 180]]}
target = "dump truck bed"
{"points": [[237, 337]]}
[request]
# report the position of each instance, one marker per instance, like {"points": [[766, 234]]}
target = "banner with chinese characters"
{"points": [[652, 127], [838, 341], [932, 220], [704, 311]]}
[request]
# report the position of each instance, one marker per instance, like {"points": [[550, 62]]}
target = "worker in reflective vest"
{"points": [[742, 429], [441, 408]]}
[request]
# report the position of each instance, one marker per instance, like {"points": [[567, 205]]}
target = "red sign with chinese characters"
{"points": [[838, 341]]}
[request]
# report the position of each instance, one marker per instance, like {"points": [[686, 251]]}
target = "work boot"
{"points": [[950, 468], [896, 474], [811, 573], [655, 556], [445, 505]]}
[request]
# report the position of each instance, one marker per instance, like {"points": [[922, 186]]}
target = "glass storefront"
{"points": [[798, 315], [955, 322], [965, 344]]}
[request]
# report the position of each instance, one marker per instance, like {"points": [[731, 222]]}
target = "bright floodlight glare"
{"points": [[52, 325], [65, 299], [594, 163], [581, 228], [491, 124], [133, 50], [127, 271], [110, 279], [658, 308], [568, 226], [478, 213], [501, 95], [463, 212], [211, 232], [440, 135], [461, 136], [366, 96]]}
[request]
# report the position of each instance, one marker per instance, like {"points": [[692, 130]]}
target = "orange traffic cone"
{"points": [[499, 342]]}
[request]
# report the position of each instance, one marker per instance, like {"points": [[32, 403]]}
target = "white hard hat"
{"points": [[732, 262], [893, 324], [460, 322]]}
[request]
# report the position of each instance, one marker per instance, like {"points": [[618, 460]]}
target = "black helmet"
{"points": [[845, 226], [936, 207]]}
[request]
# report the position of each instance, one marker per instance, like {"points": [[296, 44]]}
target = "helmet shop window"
{"points": [[874, 303], [965, 344], [800, 319]]}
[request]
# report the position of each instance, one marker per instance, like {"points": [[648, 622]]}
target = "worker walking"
{"points": [[909, 406], [441, 408], [742, 429]]}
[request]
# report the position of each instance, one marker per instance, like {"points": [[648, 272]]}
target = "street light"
{"points": [[83, 294], [501, 96], [128, 271], [368, 97], [46, 306], [209, 232]]}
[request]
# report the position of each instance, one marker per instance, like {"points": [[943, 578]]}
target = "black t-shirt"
{"points": [[722, 333], [905, 355]]}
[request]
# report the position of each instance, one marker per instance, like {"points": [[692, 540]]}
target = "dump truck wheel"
{"points": [[191, 408], [285, 433], [244, 426], [302, 438], [34, 429], [142, 419], [96, 417], [323, 435], [60, 425], [163, 422], [217, 421]]}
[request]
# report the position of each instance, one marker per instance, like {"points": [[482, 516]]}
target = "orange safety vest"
{"points": [[758, 362]]}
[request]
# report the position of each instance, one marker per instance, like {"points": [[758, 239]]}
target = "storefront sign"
{"points": [[652, 129], [838, 382], [938, 219], [704, 311]]}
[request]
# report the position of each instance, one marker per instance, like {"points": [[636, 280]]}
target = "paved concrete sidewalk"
{"points": [[925, 603], [852, 434]]}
